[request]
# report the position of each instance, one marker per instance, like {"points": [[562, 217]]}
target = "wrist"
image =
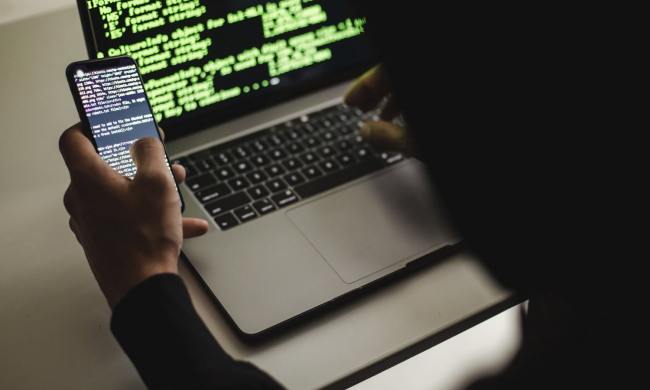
{"points": [[138, 271]]}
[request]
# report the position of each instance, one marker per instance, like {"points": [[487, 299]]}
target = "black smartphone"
{"points": [[114, 109]]}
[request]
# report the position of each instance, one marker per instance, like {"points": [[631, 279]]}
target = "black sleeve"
{"points": [[170, 346]]}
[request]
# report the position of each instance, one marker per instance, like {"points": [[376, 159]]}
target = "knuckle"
{"points": [[68, 201]]}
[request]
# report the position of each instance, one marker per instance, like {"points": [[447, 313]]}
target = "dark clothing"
{"points": [[513, 107], [158, 328]]}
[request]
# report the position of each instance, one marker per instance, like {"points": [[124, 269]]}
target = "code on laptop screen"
{"points": [[196, 56]]}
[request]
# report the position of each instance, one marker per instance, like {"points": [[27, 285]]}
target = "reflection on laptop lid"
{"points": [[205, 61]]}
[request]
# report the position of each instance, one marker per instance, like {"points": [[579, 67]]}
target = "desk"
{"points": [[54, 328]]}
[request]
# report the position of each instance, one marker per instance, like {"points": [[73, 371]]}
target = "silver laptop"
{"points": [[303, 211]]}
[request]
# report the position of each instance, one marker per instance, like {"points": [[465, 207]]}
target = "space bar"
{"points": [[330, 181]]}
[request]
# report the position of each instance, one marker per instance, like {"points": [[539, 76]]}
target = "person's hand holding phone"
{"points": [[129, 229], [373, 90]]}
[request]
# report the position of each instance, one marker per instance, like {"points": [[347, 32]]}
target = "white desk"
{"points": [[54, 328]]}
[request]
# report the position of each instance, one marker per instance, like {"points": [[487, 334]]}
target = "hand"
{"points": [[368, 92], [129, 229]]}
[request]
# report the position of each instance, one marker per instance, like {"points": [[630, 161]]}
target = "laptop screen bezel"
{"points": [[214, 118]]}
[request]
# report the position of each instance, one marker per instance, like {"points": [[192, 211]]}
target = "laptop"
{"points": [[303, 212]]}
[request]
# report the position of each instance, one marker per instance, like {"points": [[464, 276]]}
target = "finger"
{"points": [[369, 89], [390, 110], [194, 227], [386, 135], [162, 134], [179, 173], [149, 157], [78, 152]]}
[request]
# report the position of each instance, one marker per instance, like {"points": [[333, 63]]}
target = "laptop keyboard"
{"points": [[268, 170]]}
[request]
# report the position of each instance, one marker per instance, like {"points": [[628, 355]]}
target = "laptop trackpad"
{"points": [[377, 223]]}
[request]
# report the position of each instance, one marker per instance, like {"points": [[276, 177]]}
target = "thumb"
{"points": [[386, 135], [149, 157]]}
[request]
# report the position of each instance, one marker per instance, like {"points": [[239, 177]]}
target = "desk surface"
{"points": [[54, 329]]}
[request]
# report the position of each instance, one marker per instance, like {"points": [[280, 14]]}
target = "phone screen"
{"points": [[117, 111]]}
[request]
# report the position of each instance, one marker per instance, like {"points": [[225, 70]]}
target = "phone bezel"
{"points": [[107, 63]]}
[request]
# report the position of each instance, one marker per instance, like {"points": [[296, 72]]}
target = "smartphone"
{"points": [[114, 109]]}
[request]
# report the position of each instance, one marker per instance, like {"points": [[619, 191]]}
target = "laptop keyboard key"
{"points": [[238, 183], [257, 177], [258, 192], [226, 221], [328, 166], [347, 129], [292, 164], [276, 185], [312, 142], [228, 203], [259, 146], [343, 117], [243, 166], [392, 157], [213, 193], [295, 148], [260, 160], [205, 165], [274, 170], [241, 152], [201, 182], [344, 145], [277, 154], [345, 159], [275, 140], [245, 214], [264, 206], [294, 178], [362, 153], [308, 127], [225, 173], [285, 198], [328, 136], [326, 123], [223, 158], [326, 151], [312, 172], [309, 158], [293, 134]]}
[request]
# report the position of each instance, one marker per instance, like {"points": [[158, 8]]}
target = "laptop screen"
{"points": [[206, 61]]}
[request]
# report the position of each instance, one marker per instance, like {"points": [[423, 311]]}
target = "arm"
{"points": [[158, 328]]}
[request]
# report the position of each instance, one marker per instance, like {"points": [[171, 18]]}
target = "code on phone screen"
{"points": [[118, 113]]}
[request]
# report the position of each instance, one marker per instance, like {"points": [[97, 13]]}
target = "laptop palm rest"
{"points": [[386, 219]]}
